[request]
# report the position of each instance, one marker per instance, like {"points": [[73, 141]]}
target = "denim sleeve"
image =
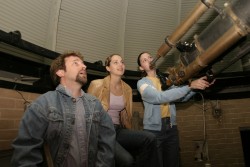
{"points": [[186, 97], [29, 141], [153, 96], [106, 140]]}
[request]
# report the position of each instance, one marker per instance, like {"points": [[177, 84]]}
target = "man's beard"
{"points": [[81, 80]]}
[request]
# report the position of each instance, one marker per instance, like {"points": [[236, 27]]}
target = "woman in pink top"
{"points": [[133, 148]]}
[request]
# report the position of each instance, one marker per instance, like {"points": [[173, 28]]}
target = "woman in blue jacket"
{"points": [[159, 109]]}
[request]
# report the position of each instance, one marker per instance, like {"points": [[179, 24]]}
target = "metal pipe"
{"points": [[213, 52], [191, 19], [216, 39]]}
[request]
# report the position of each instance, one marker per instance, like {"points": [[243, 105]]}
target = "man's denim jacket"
{"points": [[51, 118]]}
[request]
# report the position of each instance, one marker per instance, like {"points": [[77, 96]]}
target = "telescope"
{"points": [[229, 27]]}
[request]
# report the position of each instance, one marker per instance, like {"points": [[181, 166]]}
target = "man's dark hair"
{"points": [[59, 64]]}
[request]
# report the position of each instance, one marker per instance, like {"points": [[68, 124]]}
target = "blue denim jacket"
{"points": [[152, 99], [50, 119]]}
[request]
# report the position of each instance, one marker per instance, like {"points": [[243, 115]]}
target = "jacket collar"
{"points": [[62, 89], [106, 88]]}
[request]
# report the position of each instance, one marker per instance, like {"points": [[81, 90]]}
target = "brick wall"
{"points": [[224, 147], [11, 110], [223, 135]]}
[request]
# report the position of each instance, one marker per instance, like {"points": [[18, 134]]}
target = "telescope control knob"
{"points": [[181, 74]]}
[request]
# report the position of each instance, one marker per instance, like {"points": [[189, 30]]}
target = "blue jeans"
{"points": [[167, 144], [135, 148]]}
